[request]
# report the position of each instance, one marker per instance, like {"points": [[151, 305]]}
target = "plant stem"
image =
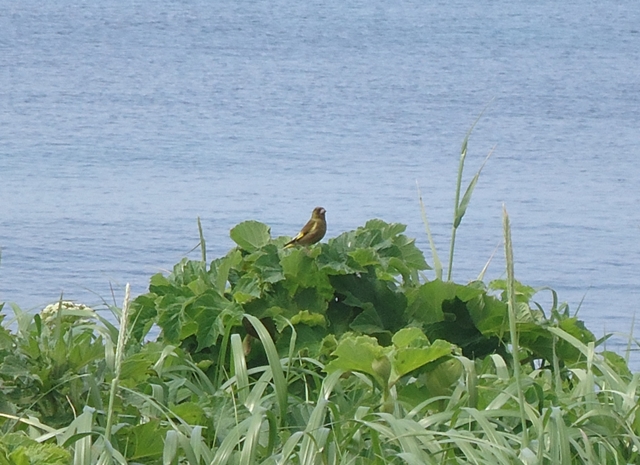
{"points": [[122, 339], [463, 155], [203, 246], [513, 330]]}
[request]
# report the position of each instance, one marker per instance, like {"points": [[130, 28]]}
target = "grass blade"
{"points": [[466, 198], [437, 264], [314, 433], [224, 452], [279, 383], [239, 368], [251, 443]]}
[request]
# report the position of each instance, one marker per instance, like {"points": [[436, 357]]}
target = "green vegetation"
{"points": [[343, 352]]}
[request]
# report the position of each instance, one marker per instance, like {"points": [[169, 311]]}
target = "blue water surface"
{"points": [[123, 121]]}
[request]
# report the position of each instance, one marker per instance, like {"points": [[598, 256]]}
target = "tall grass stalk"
{"points": [[456, 206], [460, 207], [122, 339], [630, 338], [203, 245], [513, 330]]}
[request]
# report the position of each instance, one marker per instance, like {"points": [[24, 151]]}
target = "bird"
{"points": [[311, 232]]}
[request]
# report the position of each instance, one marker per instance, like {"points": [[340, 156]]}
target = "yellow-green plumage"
{"points": [[313, 231]]}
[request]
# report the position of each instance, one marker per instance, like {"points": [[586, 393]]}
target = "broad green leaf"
{"points": [[489, 314], [397, 266], [309, 319], [409, 337], [425, 302], [368, 322], [469, 291], [524, 314], [577, 329], [208, 311], [410, 253], [563, 348], [356, 353], [6, 339], [342, 244], [268, 266], [199, 286], [311, 299], [523, 293], [246, 289], [136, 368], [220, 267], [361, 292], [84, 350], [187, 271], [190, 412], [143, 315], [408, 359], [308, 339], [617, 362], [439, 377], [365, 257], [335, 260], [301, 270], [251, 235], [387, 230], [144, 441], [297, 265], [159, 284], [171, 316]]}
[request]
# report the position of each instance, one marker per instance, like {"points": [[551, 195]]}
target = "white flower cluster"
{"points": [[71, 312]]}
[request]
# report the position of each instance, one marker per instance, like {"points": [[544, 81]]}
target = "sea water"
{"points": [[122, 122]]}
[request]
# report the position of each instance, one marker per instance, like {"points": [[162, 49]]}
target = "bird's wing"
{"points": [[306, 229], [298, 236]]}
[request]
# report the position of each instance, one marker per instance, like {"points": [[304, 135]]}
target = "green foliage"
{"points": [[54, 361], [251, 235], [341, 352], [19, 449], [410, 353], [364, 281], [354, 282]]}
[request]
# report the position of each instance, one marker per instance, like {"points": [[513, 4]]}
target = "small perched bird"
{"points": [[313, 231]]}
